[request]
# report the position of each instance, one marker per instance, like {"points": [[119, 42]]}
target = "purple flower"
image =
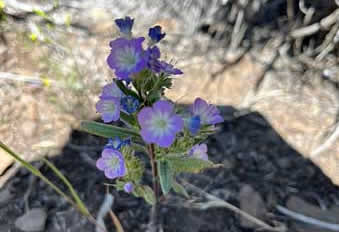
{"points": [[194, 124], [109, 107], [129, 187], [125, 25], [155, 34], [127, 57], [112, 163], [129, 104], [209, 114], [199, 151], [169, 69], [109, 103], [159, 124]]}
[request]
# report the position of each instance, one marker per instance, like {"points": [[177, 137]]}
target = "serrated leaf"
{"points": [[178, 188], [108, 131], [165, 175], [188, 164]]}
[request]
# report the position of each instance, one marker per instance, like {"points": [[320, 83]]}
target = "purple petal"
{"points": [[101, 164], [164, 107], [128, 187], [111, 90], [209, 114], [177, 123], [199, 106], [127, 57], [144, 116], [109, 107], [110, 174], [147, 135], [199, 151], [107, 153], [165, 140]]}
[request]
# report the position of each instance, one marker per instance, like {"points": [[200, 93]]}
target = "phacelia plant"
{"points": [[172, 137]]}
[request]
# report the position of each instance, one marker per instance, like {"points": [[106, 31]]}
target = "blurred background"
{"points": [[271, 65]]}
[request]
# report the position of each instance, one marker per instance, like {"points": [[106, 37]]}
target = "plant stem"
{"points": [[154, 171], [154, 215]]}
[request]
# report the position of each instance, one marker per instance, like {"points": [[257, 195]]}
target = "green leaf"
{"points": [[146, 192], [188, 164], [108, 131], [165, 175], [178, 188]]}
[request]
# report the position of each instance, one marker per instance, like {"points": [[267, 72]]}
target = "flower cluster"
{"points": [[128, 57], [136, 97]]}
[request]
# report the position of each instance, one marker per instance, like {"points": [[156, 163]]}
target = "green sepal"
{"points": [[127, 118], [135, 167], [165, 176], [178, 188], [109, 131], [126, 90]]}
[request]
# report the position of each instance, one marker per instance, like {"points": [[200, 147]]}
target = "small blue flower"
{"points": [[109, 107], [127, 57], [125, 25], [159, 123], [194, 124], [129, 104], [112, 163], [199, 151], [115, 143], [209, 114], [128, 187], [155, 34]]}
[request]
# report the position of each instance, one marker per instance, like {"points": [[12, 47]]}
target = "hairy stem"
{"points": [[154, 220]]}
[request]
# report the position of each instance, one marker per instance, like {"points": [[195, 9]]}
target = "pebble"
{"points": [[33, 220], [252, 203]]}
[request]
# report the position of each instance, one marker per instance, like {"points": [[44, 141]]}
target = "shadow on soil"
{"points": [[249, 148]]}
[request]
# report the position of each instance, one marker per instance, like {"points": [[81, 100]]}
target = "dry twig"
{"points": [[309, 220], [217, 202]]}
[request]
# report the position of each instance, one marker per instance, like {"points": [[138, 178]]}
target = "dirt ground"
{"points": [[260, 170], [252, 154]]}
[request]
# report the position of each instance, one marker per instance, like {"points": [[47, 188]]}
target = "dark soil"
{"points": [[251, 151]]}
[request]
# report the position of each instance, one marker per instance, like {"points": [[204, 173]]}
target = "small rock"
{"points": [[252, 203], [33, 220], [284, 162], [5, 196]]}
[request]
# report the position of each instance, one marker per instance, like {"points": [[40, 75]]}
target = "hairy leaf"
{"points": [[188, 164], [178, 188], [108, 131], [146, 192], [166, 176]]}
